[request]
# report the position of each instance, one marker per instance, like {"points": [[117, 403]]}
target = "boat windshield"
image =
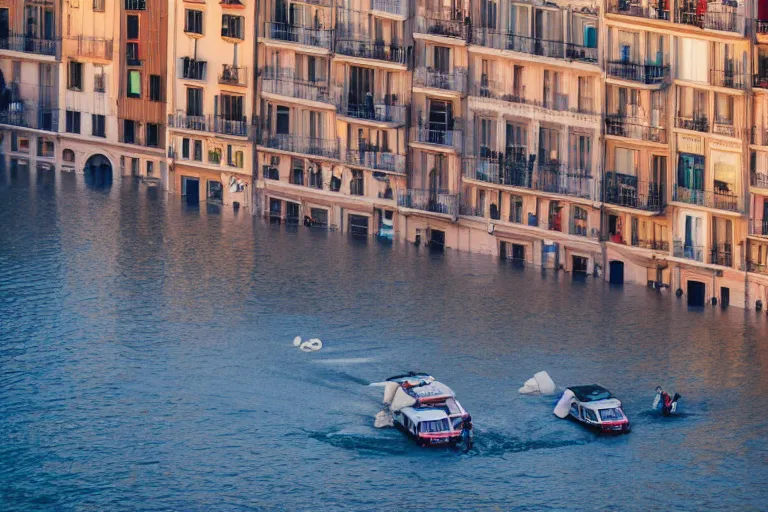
{"points": [[434, 426], [612, 414]]}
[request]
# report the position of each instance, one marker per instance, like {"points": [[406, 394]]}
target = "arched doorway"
{"points": [[98, 172], [616, 269]]}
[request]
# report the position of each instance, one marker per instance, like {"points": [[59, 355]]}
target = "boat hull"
{"points": [[433, 440]]}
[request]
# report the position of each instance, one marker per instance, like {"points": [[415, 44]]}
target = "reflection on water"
{"points": [[146, 358]]}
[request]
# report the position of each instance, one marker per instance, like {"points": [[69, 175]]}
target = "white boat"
{"points": [[426, 410], [593, 406]]}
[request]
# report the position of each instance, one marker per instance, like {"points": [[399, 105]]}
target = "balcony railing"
{"points": [[366, 49], [757, 268], [24, 116], [372, 111], [441, 27], [557, 179], [731, 79], [724, 126], [315, 146], [643, 73], [758, 227], [378, 160], [654, 245], [193, 69], [721, 254], [396, 7], [512, 170], [285, 85], [688, 251], [709, 199], [632, 128], [438, 136], [759, 136], [451, 81], [436, 201], [211, 124], [93, 47], [760, 79], [727, 20], [531, 45], [758, 180], [651, 11], [27, 44], [135, 5], [298, 34], [628, 191], [761, 26], [492, 89], [233, 75], [581, 53], [699, 123]]}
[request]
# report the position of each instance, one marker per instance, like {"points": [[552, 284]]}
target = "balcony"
{"points": [[93, 47], [315, 146], [555, 178], [688, 251], [27, 44], [758, 227], [757, 268], [724, 126], [283, 84], [581, 53], [697, 123], [378, 112], [193, 69], [441, 27], [455, 80], [233, 75], [710, 199], [717, 16], [633, 128], [211, 124], [396, 7], [435, 201], [298, 34], [25, 116], [135, 5], [649, 74], [760, 80], [639, 9], [730, 78], [511, 170], [761, 26], [628, 191], [533, 46], [721, 254], [654, 245], [365, 49], [374, 159], [437, 136], [758, 180], [496, 90]]}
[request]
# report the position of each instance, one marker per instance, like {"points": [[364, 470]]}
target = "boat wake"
{"points": [[496, 444]]}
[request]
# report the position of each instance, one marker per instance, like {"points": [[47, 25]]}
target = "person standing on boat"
{"points": [[668, 403], [466, 433]]}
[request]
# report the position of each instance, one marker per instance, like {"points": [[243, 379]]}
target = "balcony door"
{"points": [[690, 171], [4, 26], [440, 116], [442, 59], [360, 93]]}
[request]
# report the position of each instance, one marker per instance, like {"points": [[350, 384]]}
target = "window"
{"points": [[579, 221], [132, 54], [356, 184], [73, 122], [297, 171], [194, 22], [215, 190], [99, 81], [134, 84], [214, 156], [155, 88], [231, 26], [150, 168], [132, 28], [152, 135], [283, 120], [232, 107], [185, 148], [98, 5], [198, 150], [194, 101], [19, 144], [68, 156], [135, 5], [75, 76], [45, 148], [129, 131], [234, 158], [516, 209], [98, 126], [135, 163]]}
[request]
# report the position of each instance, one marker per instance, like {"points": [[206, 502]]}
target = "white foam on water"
{"points": [[347, 360]]}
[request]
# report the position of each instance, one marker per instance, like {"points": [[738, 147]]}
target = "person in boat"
{"points": [[466, 433], [668, 403]]}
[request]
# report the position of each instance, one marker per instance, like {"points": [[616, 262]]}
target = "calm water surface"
{"points": [[146, 363]]}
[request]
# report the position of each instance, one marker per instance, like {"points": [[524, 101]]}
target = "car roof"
{"points": [[590, 393], [424, 414]]}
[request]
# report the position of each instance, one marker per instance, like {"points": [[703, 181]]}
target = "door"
{"points": [[4, 23], [191, 189], [358, 225], [518, 254], [696, 291], [579, 265], [616, 272], [725, 297], [437, 240]]}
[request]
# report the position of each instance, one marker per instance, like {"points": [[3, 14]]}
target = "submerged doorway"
{"points": [[98, 172], [696, 293], [616, 269], [190, 189]]}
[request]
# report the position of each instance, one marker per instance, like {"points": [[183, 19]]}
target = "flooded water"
{"points": [[146, 362]]}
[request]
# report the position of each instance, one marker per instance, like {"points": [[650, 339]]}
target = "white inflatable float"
{"points": [[297, 341], [312, 345], [540, 383], [564, 404]]}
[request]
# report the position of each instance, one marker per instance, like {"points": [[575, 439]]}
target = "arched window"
{"points": [[68, 156]]}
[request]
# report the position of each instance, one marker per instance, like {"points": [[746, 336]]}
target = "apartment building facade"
{"points": [[622, 138]]}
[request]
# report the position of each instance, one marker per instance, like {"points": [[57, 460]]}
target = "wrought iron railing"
{"points": [[441, 27], [211, 124], [719, 200], [315, 146], [652, 10], [699, 123], [632, 128], [298, 34], [655, 245], [756, 267], [513, 170], [643, 73], [628, 191], [93, 47], [455, 80], [688, 251], [372, 111], [397, 7], [367, 49], [721, 254], [759, 180], [557, 179], [193, 69], [728, 78], [28, 44], [285, 85], [22, 115], [379, 160], [233, 75], [436, 201], [438, 136]]}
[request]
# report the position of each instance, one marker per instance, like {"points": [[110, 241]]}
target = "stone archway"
{"points": [[98, 171]]}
